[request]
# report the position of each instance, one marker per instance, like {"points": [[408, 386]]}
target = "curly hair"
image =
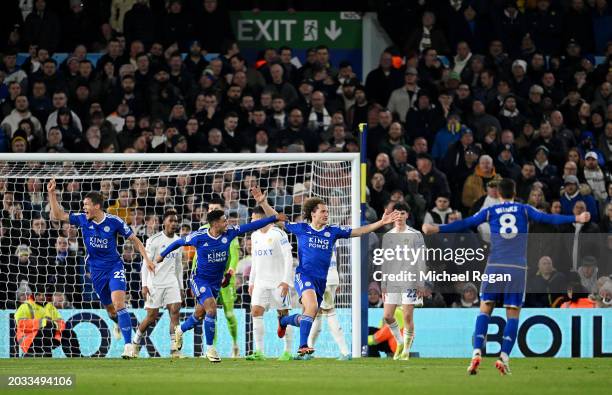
{"points": [[310, 205]]}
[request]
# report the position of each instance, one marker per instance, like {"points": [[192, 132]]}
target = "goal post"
{"points": [[335, 177]]}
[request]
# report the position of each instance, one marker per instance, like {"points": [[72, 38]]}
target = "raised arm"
{"points": [[387, 218], [556, 219], [262, 200], [456, 226], [57, 212]]}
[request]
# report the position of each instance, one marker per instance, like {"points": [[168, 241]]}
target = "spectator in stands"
{"points": [[439, 213], [374, 295], [588, 273], [428, 36], [434, 182], [381, 81], [572, 194], [595, 176], [468, 297], [475, 185], [446, 136], [404, 98], [547, 286]]}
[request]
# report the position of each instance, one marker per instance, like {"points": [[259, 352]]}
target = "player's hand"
{"points": [[51, 186], [259, 196], [150, 265], [284, 289], [226, 279], [390, 216], [231, 271], [281, 217], [584, 217], [145, 292], [429, 229], [158, 259], [251, 290]]}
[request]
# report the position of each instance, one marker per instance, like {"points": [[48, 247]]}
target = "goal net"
{"points": [[44, 259]]}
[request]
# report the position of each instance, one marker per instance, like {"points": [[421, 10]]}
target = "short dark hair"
{"points": [[401, 206], [214, 216], [96, 198], [507, 188], [259, 211], [170, 212], [310, 205]]}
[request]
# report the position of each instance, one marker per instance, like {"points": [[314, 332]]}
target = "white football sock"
{"points": [[258, 333], [315, 330], [408, 340], [137, 337], [289, 339], [337, 332], [396, 331]]}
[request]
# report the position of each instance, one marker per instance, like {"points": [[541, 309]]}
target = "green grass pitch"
{"points": [[365, 376]]}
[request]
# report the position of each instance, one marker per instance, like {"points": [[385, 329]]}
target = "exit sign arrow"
{"points": [[333, 32]]}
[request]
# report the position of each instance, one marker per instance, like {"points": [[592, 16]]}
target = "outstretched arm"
{"points": [[556, 219], [173, 246], [251, 226], [57, 212], [456, 226], [387, 218]]}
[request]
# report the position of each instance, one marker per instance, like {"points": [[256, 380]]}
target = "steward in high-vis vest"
{"points": [[39, 328]]}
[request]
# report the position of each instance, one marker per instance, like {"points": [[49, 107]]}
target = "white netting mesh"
{"points": [[40, 255]]}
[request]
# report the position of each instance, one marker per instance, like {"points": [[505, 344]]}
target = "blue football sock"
{"points": [[480, 333], [509, 335], [305, 325], [209, 329], [125, 324], [190, 323], [293, 320]]}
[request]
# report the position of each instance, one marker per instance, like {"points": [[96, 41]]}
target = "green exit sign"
{"points": [[341, 30]]}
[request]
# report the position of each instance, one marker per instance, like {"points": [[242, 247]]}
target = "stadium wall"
{"points": [[440, 333]]}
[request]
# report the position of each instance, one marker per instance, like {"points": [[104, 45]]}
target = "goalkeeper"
{"points": [[227, 295]]}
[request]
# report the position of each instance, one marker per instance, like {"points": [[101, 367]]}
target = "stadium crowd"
{"points": [[473, 92]]}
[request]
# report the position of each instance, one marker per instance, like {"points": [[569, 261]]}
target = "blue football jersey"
{"points": [[509, 223], [213, 252], [100, 239], [315, 247]]}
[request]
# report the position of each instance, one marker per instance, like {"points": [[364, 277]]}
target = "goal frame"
{"points": [[353, 158]]}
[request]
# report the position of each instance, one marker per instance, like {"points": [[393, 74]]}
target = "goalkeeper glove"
{"points": [[226, 279]]}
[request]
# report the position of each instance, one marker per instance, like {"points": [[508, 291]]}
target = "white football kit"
{"points": [[272, 263], [166, 283], [414, 240]]}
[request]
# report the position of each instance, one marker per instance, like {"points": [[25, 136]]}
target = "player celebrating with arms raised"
{"points": [[100, 231], [212, 246], [509, 223], [162, 288], [271, 274], [316, 240]]}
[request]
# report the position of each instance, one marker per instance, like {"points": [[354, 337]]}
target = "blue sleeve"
{"points": [[75, 219], [553, 219], [173, 246], [469, 222], [123, 229], [342, 232], [294, 227], [251, 226]]}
